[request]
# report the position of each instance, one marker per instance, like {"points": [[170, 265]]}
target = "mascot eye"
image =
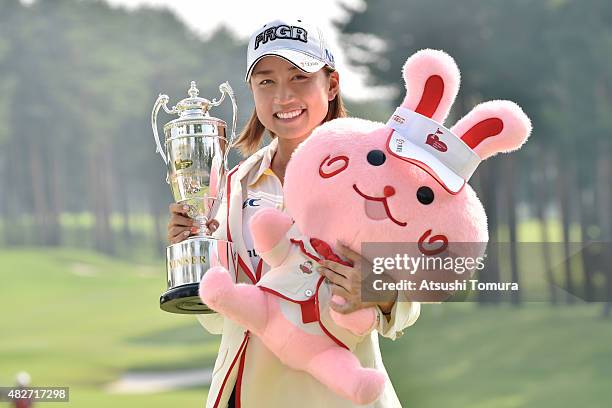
{"points": [[425, 195], [376, 157], [329, 167]]}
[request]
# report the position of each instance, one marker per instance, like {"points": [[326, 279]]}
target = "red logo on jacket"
{"points": [[434, 141], [306, 267]]}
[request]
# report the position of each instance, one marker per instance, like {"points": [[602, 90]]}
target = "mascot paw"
{"points": [[215, 283], [359, 322], [371, 386], [268, 227]]}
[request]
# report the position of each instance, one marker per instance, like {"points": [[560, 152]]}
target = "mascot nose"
{"points": [[388, 191]]}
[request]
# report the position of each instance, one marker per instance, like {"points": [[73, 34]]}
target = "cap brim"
{"points": [[411, 153], [302, 61]]}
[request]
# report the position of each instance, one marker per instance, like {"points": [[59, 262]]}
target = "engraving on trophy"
{"points": [[188, 260], [182, 164]]}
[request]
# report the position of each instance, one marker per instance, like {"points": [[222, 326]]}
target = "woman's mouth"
{"points": [[289, 115], [376, 208]]}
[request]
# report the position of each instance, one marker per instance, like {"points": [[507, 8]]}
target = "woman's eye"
{"points": [[425, 195], [265, 82], [299, 77]]}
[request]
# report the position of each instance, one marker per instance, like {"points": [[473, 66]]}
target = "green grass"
{"points": [[462, 355], [75, 318], [85, 331]]}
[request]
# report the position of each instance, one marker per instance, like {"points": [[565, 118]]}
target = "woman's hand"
{"points": [[181, 226], [346, 281]]}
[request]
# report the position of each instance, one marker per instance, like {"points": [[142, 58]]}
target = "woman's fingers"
{"points": [[341, 291], [342, 270], [334, 277], [179, 220], [212, 225], [176, 208], [176, 230], [348, 253], [180, 237], [181, 226]]}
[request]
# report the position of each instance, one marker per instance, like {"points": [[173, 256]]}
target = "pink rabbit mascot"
{"points": [[358, 181]]}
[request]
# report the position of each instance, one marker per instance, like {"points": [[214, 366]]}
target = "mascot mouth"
{"points": [[377, 208]]}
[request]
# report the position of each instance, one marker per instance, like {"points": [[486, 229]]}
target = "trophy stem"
{"points": [[200, 222]]}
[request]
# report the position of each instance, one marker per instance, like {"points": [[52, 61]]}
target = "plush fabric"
{"points": [[325, 183]]}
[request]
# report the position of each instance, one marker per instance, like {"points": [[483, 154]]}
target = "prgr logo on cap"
{"points": [[298, 42], [281, 31]]}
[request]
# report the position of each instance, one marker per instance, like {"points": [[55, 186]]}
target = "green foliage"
{"points": [[80, 78], [552, 57]]}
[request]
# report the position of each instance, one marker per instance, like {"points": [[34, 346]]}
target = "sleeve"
{"points": [[212, 322], [403, 314]]}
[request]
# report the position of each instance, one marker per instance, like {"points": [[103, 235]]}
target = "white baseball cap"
{"points": [[426, 143], [298, 42]]}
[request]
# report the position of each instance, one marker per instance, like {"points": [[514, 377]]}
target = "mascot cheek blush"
{"points": [[359, 181]]}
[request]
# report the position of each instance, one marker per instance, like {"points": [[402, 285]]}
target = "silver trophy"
{"points": [[195, 151]]}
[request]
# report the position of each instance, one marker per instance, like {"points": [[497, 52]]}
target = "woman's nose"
{"points": [[284, 94]]}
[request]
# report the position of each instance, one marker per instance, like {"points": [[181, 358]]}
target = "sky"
{"points": [[243, 17]]}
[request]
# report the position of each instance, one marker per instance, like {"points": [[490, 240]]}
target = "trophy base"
{"points": [[187, 262], [183, 300]]}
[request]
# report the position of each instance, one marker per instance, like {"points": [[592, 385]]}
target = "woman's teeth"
{"points": [[289, 115]]}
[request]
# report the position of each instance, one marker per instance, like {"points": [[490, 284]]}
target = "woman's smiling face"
{"points": [[290, 102]]}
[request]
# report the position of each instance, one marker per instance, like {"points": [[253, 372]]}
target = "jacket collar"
{"points": [[266, 162], [239, 179], [257, 160]]}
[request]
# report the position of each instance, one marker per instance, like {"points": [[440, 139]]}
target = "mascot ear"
{"points": [[432, 83], [493, 127]]}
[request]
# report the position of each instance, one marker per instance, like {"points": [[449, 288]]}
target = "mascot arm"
{"points": [[269, 229]]}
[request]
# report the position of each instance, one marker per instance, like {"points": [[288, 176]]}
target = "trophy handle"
{"points": [[162, 101], [225, 88]]}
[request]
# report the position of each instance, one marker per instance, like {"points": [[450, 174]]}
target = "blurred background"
{"points": [[84, 203]]}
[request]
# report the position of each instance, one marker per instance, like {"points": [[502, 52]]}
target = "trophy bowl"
{"points": [[195, 152]]}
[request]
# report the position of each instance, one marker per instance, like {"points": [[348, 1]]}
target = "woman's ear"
{"points": [[334, 85]]}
